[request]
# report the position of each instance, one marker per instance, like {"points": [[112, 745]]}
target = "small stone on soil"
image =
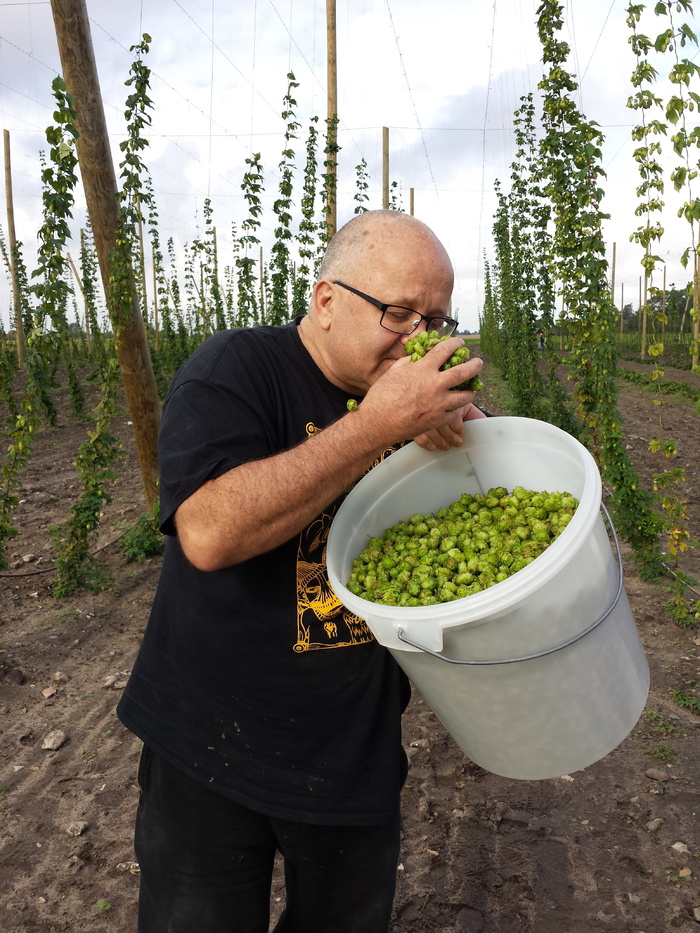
{"points": [[54, 740], [656, 774], [77, 828], [681, 847]]}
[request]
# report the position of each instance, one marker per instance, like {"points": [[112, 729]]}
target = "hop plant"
{"points": [[474, 543], [418, 346]]}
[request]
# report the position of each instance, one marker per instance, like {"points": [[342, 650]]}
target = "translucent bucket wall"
{"points": [[537, 676]]}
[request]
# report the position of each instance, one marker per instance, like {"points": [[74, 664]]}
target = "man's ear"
{"points": [[323, 299]]}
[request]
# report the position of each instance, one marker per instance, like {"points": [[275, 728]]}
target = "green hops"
{"points": [[351, 404], [474, 543], [418, 346]]}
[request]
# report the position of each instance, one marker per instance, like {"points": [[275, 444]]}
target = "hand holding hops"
{"points": [[419, 345]]}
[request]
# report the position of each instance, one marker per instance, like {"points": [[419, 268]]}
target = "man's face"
{"points": [[402, 268]]}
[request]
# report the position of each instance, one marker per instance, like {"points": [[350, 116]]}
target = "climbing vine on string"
{"points": [[51, 291], [281, 272], [570, 173], [659, 120]]}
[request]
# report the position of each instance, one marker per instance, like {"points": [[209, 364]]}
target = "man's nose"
{"points": [[404, 337]]}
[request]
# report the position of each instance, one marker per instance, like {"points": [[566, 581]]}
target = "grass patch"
{"points": [[660, 729], [663, 751], [667, 387], [660, 724]]}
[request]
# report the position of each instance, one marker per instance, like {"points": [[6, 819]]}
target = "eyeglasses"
{"points": [[400, 320]]}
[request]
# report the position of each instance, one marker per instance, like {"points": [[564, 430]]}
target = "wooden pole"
{"points": [[99, 182], [612, 272], [385, 168], [262, 287], [696, 311], [643, 311], [76, 275], [622, 310], [663, 310], [332, 156], [16, 293], [410, 201], [142, 265], [221, 285], [612, 279], [155, 299]]}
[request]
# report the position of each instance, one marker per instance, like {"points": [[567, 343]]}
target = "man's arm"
{"points": [[261, 504]]}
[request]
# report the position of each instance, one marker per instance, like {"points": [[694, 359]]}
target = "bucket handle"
{"points": [[540, 654]]}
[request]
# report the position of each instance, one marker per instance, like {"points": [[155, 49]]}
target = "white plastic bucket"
{"points": [[537, 676]]}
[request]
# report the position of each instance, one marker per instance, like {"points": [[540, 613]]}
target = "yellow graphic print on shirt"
{"points": [[322, 620]]}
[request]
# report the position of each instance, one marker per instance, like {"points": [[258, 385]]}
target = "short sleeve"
{"points": [[206, 430]]}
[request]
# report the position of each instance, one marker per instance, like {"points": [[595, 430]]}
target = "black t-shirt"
{"points": [[255, 679]]}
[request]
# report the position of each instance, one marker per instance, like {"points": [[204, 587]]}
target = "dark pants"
{"points": [[206, 864]]}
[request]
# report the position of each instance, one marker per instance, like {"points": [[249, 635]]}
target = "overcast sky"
{"points": [[444, 77]]}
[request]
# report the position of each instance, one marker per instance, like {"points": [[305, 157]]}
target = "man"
{"points": [[270, 717]]}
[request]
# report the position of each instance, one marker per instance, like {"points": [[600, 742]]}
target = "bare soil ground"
{"points": [[613, 847]]}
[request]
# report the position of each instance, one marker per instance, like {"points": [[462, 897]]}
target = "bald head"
{"points": [[370, 238]]}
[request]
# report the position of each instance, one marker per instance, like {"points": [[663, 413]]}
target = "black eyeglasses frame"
{"points": [[383, 307]]}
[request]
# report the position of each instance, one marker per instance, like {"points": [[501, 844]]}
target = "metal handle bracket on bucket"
{"points": [[540, 654]]}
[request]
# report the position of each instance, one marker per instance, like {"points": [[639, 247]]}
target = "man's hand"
{"points": [[451, 434], [414, 399]]}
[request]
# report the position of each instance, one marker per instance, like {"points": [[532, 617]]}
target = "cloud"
{"points": [[444, 77]]}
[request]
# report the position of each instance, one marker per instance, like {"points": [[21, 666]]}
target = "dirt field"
{"points": [[614, 847]]}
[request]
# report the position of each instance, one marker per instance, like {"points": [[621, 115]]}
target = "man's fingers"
{"points": [[464, 371]]}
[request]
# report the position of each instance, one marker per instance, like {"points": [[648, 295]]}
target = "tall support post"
{"points": [[16, 293], [612, 271], [410, 201], [612, 277], [219, 284], [142, 266], [156, 323], [332, 157], [696, 311], [663, 310], [622, 311], [99, 182], [643, 298], [76, 276], [263, 297], [385, 168]]}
